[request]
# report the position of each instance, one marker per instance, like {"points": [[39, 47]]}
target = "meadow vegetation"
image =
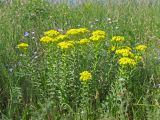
{"points": [[92, 61]]}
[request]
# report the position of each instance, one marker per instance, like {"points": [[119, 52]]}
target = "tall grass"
{"points": [[43, 83]]}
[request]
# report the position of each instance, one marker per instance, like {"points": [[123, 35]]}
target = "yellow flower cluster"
{"points": [[51, 36], [98, 35], [22, 46], [66, 45], [141, 48], [127, 61], [77, 31], [51, 33], [99, 32], [84, 41], [61, 37], [124, 52], [117, 39], [47, 39], [85, 76], [64, 39]]}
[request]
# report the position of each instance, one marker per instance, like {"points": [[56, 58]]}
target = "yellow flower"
{"points": [[84, 41], [77, 31], [83, 30], [98, 35], [47, 39], [22, 46], [51, 33], [65, 45], [97, 38], [141, 48], [85, 76], [99, 32], [125, 52], [61, 37], [127, 61], [117, 39]]}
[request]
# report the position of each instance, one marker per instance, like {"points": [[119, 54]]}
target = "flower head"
{"points": [[98, 35], [47, 39], [22, 46], [127, 61], [61, 37], [85, 76], [125, 52], [117, 39], [26, 34], [141, 48], [95, 38], [77, 31], [51, 33], [84, 41], [65, 45]]}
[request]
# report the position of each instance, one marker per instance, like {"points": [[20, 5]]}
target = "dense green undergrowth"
{"points": [[42, 82]]}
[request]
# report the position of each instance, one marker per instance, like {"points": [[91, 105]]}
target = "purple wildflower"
{"points": [[26, 34]]}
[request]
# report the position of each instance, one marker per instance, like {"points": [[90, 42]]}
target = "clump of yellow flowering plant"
{"points": [[127, 61], [22, 46], [85, 76], [117, 39], [65, 45], [98, 35], [51, 33], [141, 47]]}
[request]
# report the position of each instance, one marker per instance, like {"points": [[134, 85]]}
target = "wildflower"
{"points": [[82, 30], [97, 38], [22, 46], [141, 48], [77, 31], [65, 45], [98, 35], [124, 52], [33, 32], [117, 39], [47, 39], [127, 61], [61, 37], [51, 33], [84, 41], [85, 76], [26, 34], [108, 19]]}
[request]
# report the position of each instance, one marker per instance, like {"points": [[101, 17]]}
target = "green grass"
{"points": [[43, 83]]}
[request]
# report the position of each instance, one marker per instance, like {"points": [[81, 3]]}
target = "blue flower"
{"points": [[26, 34]]}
